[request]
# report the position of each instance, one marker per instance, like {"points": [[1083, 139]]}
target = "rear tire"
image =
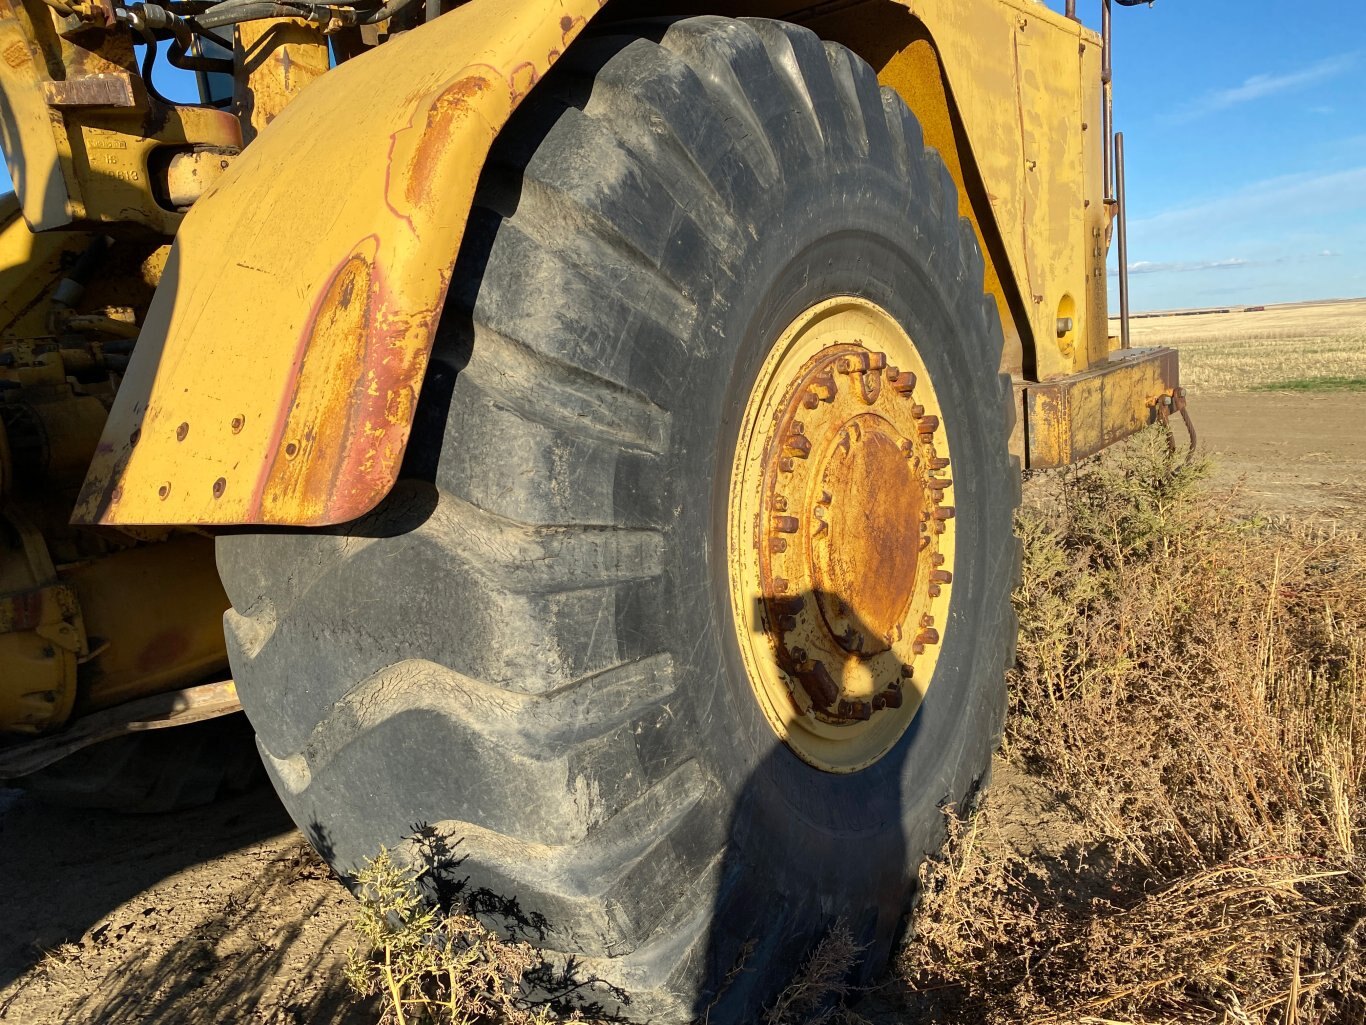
{"points": [[529, 645]]}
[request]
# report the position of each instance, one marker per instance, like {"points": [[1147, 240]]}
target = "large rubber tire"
{"points": [[529, 645]]}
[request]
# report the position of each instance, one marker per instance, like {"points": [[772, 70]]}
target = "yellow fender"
{"points": [[277, 375], [279, 367]]}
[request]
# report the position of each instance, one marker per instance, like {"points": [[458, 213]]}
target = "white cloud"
{"points": [[1294, 196], [1259, 87], [1186, 266], [1231, 263]]}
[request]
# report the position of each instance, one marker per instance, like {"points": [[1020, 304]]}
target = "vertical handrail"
{"points": [[1120, 200], [1107, 79]]}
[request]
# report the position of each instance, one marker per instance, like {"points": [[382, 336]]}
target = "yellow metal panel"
{"points": [[26, 122], [280, 56], [160, 608], [1075, 417], [291, 332], [1026, 83]]}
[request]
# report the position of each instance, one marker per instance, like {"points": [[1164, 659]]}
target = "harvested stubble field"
{"points": [[1174, 833], [1279, 398], [1264, 349]]}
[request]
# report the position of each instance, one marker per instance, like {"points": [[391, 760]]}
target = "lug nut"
{"points": [[820, 685], [857, 710], [902, 380], [824, 387]]}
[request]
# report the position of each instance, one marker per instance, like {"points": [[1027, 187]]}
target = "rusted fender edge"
{"points": [[276, 377]]}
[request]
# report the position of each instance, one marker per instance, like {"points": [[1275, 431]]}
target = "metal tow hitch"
{"points": [[1175, 402]]}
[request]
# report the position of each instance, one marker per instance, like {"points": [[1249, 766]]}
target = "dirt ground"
{"points": [[219, 915], [1300, 455], [1302, 452], [225, 915]]}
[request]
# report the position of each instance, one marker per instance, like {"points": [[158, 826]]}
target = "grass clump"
{"points": [[1190, 697], [817, 993], [434, 967]]}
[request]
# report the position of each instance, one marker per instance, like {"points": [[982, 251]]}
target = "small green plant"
{"points": [[431, 968]]}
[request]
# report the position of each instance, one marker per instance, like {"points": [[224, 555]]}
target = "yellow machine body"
{"points": [[284, 266], [280, 364], [88, 619]]}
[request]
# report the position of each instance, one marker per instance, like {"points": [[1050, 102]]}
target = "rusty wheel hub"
{"points": [[841, 534]]}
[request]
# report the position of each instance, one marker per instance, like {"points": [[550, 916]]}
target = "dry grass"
{"points": [[815, 995], [1192, 687], [434, 966], [1234, 352]]}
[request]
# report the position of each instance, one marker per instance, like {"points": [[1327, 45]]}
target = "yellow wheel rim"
{"points": [[840, 534]]}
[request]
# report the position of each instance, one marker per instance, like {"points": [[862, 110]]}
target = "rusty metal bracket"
{"points": [[1175, 402], [175, 708], [1070, 418]]}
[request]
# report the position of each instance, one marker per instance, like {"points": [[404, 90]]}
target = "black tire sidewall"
{"points": [[858, 232]]}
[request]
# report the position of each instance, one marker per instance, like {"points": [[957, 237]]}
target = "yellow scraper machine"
{"points": [[584, 432]]}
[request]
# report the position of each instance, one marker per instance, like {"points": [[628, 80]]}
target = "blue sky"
{"points": [[1245, 124]]}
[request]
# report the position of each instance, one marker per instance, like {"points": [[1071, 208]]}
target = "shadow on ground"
{"points": [[218, 914]]}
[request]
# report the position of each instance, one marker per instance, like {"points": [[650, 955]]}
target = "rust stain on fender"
{"points": [[456, 104], [339, 447], [295, 350]]}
